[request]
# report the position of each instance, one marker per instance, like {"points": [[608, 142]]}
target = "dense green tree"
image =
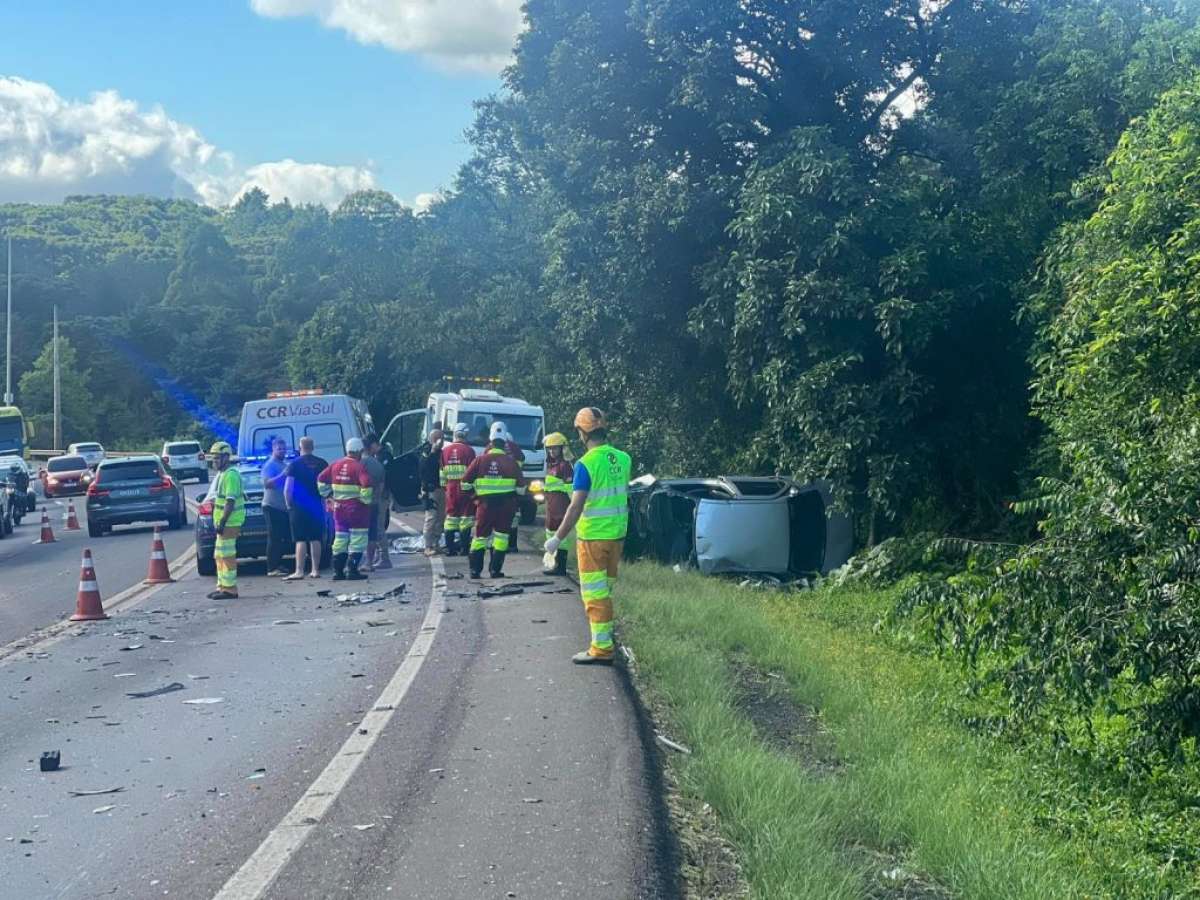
{"points": [[36, 395]]}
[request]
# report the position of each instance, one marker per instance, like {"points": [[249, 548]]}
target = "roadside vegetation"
{"points": [[841, 759]]}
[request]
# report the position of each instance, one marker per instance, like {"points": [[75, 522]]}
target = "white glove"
{"points": [[552, 545], [548, 561]]}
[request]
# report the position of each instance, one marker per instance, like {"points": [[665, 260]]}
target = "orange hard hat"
{"points": [[589, 419]]}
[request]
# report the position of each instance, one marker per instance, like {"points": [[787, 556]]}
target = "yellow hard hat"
{"points": [[221, 447], [589, 419], [558, 439]]}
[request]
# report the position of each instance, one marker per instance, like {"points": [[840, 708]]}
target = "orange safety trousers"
{"points": [[598, 561]]}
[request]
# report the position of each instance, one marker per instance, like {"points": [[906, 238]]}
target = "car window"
{"points": [[251, 481], [181, 448], [66, 464], [86, 448], [131, 470]]}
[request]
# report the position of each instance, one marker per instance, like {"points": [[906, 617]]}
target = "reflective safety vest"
{"points": [[228, 490], [606, 511], [494, 473], [347, 480], [556, 484], [456, 456]]}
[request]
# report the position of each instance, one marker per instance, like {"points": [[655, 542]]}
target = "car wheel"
{"points": [[95, 530], [206, 566]]}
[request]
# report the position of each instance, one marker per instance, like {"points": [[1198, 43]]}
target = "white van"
{"points": [[478, 408], [329, 419]]}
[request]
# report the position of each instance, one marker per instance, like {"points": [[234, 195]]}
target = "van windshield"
{"points": [[525, 430]]}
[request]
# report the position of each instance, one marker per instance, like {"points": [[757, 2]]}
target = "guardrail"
{"points": [[47, 454]]}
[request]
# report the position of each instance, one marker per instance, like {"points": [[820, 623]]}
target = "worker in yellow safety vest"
{"points": [[557, 489], [599, 512], [229, 515]]}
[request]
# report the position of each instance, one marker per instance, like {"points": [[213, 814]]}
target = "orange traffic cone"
{"points": [[47, 532], [72, 519], [159, 572], [88, 606]]}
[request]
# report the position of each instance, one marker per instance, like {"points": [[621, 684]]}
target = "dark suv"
{"points": [[133, 489]]}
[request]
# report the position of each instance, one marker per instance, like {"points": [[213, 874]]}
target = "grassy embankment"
{"points": [[834, 757]]}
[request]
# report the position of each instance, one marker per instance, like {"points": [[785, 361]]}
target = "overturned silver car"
{"points": [[734, 524]]}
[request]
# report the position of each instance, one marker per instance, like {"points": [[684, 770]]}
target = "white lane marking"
{"points": [[258, 872]]}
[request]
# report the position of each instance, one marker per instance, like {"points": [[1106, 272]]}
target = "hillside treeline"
{"points": [[823, 239]]}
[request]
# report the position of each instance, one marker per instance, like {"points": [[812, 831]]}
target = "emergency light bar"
{"points": [[308, 392], [473, 379]]}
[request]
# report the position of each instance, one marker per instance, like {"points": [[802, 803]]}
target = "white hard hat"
{"points": [[354, 445], [498, 432], [461, 428]]}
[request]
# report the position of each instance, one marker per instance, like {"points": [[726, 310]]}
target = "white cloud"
{"points": [[423, 202], [51, 147], [473, 35], [306, 182]]}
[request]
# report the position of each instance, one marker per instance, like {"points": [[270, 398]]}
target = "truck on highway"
{"points": [[478, 408], [329, 419], [15, 432]]}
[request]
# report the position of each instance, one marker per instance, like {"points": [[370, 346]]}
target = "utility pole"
{"points": [[57, 397], [8, 394]]}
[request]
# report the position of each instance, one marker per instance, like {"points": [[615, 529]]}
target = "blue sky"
{"points": [[301, 84]]}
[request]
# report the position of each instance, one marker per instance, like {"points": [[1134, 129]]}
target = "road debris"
{"points": [[286, 622], [667, 742], [49, 761], [364, 827], [96, 793], [379, 623], [157, 692], [325, 593], [132, 647], [409, 544], [104, 809], [540, 621], [508, 590], [256, 774], [531, 799], [124, 674], [205, 701]]}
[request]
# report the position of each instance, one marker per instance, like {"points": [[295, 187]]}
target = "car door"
{"points": [[402, 441]]}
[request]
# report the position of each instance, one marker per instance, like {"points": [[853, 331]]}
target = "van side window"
{"points": [[261, 441], [330, 443]]}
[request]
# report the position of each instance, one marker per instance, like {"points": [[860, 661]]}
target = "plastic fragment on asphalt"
{"points": [[531, 800], [205, 701], [410, 544], [364, 827], [667, 742], [325, 593], [199, 677], [508, 590], [286, 622], [96, 793], [131, 647], [49, 761], [124, 674], [103, 809], [391, 634], [256, 774], [157, 692], [379, 623]]}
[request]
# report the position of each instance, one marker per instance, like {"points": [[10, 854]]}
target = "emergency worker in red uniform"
{"points": [[559, 475], [496, 480], [513, 449], [456, 457], [349, 484]]}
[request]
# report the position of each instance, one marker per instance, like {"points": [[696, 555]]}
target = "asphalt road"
{"points": [[426, 745], [38, 582]]}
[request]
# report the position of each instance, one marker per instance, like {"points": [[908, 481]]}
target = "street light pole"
{"points": [[8, 394], [57, 396]]}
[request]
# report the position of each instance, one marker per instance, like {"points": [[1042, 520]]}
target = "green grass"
{"points": [[915, 786]]}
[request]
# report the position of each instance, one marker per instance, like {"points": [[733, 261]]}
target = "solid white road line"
{"points": [[259, 871]]}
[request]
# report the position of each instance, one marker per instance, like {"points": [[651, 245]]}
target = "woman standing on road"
{"points": [[306, 508]]}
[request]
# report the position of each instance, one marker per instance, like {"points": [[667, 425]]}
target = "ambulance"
{"points": [[329, 419], [477, 408]]}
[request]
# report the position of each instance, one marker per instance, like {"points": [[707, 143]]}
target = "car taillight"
{"points": [[165, 485], [94, 490], [206, 508]]}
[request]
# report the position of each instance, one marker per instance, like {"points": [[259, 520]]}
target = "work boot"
{"points": [[464, 542], [452, 543], [586, 659], [355, 575], [339, 567], [512, 540], [496, 566], [475, 558], [560, 562]]}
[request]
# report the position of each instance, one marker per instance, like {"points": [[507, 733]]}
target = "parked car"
{"points": [[7, 521], [133, 489], [185, 459], [18, 480], [92, 452], [65, 475], [252, 539]]}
